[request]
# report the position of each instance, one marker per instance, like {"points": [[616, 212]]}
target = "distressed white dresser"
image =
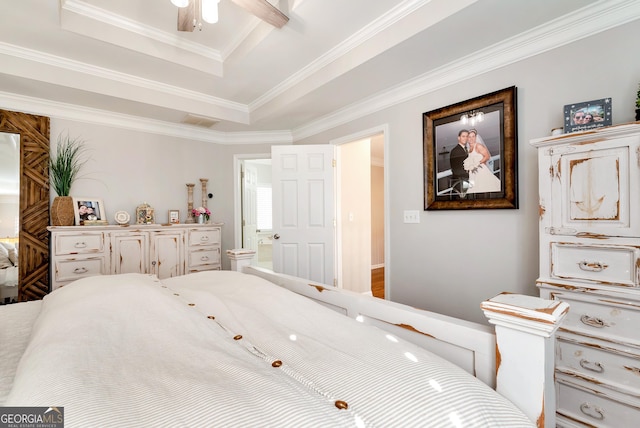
{"points": [[162, 250], [589, 184]]}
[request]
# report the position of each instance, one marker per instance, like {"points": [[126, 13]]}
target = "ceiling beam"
{"points": [[265, 11], [186, 15]]}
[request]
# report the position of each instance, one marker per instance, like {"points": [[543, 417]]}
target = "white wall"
{"points": [[453, 260], [354, 163]]}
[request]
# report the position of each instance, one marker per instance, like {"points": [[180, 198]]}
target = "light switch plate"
{"points": [[412, 216]]}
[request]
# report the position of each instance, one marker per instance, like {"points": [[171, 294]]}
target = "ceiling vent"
{"points": [[204, 122]]}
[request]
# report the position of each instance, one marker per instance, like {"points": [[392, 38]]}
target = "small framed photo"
{"points": [[89, 210], [587, 115], [174, 217]]}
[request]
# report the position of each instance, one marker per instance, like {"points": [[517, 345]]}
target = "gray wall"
{"points": [[453, 260]]}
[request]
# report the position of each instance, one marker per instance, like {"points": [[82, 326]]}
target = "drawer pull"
{"points": [[204, 258], [80, 245], [592, 321], [80, 270], [594, 367], [204, 238], [592, 411], [592, 266]]}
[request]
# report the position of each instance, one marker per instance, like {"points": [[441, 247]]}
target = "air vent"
{"points": [[204, 122]]}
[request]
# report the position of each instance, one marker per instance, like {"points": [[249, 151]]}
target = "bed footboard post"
{"points": [[525, 354], [240, 258]]}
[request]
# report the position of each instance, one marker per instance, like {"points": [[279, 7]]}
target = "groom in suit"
{"points": [[456, 158]]}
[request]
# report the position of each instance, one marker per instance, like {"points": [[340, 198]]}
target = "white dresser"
{"points": [[165, 251], [589, 186]]}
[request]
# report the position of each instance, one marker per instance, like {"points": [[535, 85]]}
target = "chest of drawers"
{"points": [[165, 251], [590, 258]]}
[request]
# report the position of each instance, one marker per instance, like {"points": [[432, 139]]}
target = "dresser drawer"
{"points": [[612, 265], [611, 367], [72, 269], [79, 243], [205, 256], [596, 408], [200, 237], [601, 317]]}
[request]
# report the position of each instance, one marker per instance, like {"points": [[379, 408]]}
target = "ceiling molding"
{"points": [[404, 9], [82, 18], [224, 109], [83, 114], [582, 23], [585, 22]]}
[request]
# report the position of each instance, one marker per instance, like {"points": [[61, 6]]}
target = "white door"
{"points": [[303, 211], [249, 209]]}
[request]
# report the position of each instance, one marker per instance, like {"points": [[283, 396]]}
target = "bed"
{"points": [[224, 348]]}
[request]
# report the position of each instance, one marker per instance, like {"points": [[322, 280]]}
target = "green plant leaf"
{"points": [[66, 164]]}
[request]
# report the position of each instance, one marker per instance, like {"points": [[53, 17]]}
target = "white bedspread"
{"points": [[224, 349]]}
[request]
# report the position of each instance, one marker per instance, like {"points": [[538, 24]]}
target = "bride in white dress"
{"points": [[481, 178]]}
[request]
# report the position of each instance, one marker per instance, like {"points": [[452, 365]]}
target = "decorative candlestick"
{"points": [[190, 203], [203, 181], [204, 191]]}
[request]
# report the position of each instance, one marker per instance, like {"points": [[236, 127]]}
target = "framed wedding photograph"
{"points": [[470, 154], [174, 217], [587, 115], [89, 210]]}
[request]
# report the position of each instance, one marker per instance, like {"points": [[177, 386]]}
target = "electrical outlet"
{"points": [[412, 216]]}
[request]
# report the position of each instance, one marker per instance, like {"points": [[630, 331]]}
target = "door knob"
{"points": [[276, 236]]}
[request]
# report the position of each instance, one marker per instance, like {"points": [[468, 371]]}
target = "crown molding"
{"points": [[82, 18], [237, 111], [598, 17], [83, 114], [585, 22], [387, 20]]}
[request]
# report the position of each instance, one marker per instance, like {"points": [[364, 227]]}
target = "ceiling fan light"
{"points": [[180, 3], [210, 11]]}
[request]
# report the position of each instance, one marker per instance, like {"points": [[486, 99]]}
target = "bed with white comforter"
{"points": [[226, 349]]}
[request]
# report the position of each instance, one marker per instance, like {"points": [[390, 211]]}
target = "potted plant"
{"points": [[64, 167]]}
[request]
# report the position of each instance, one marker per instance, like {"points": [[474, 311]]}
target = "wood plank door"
{"points": [[304, 211], [33, 248]]}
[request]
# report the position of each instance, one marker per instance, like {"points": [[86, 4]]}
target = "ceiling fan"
{"points": [[189, 12]]}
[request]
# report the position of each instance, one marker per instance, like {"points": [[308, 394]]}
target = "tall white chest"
{"points": [[589, 185]]}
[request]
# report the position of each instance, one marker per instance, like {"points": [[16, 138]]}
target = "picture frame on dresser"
{"points": [[448, 168], [587, 115], [174, 216], [88, 208]]}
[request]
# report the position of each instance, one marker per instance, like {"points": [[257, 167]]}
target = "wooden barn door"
{"points": [[33, 257]]}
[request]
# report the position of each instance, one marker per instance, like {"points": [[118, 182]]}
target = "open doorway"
{"points": [[374, 270], [360, 214], [255, 199]]}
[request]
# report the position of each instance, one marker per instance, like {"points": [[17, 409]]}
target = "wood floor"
{"points": [[377, 282]]}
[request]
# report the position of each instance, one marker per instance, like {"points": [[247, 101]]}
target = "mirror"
{"points": [[32, 135], [9, 215]]}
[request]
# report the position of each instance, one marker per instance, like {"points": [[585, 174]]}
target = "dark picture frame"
{"points": [[494, 117], [90, 209], [587, 115]]}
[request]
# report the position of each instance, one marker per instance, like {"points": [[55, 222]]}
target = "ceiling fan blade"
{"points": [[186, 16], [265, 11]]}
